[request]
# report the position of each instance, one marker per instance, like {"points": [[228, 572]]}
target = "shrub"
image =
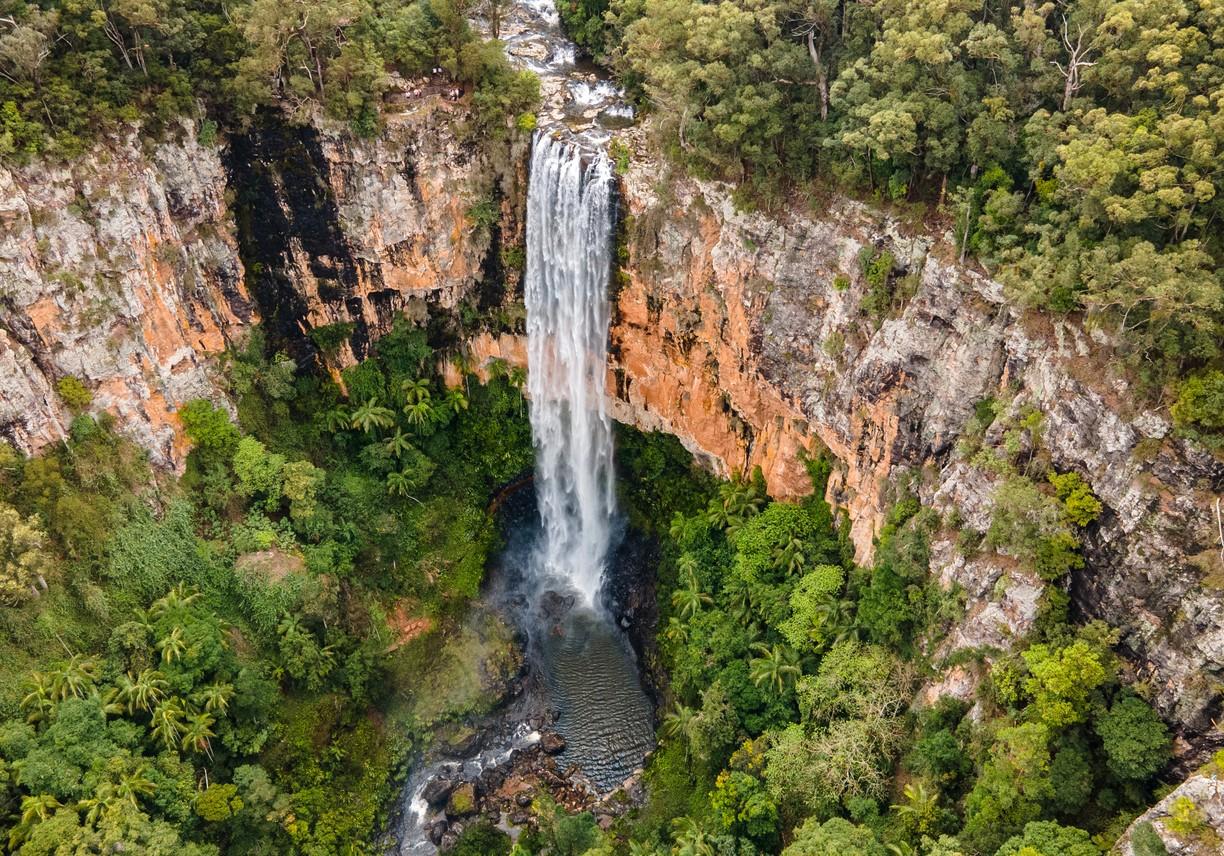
{"points": [[73, 393], [1200, 401]]}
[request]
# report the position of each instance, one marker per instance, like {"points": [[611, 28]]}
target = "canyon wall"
{"points": [[133, 267], [120, 270], [745, 335], [742, 334]]}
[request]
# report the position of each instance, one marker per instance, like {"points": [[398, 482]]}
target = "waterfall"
{"points": [[569, 246]]}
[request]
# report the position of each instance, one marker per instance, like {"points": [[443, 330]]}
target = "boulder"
{"points": [[552, 743], [462, 801], [437, 791]]}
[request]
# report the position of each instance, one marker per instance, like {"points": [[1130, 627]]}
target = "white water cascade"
{"points": [[569, 246]]}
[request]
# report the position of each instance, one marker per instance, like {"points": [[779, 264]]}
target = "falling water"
{"points": [[569, 238]]}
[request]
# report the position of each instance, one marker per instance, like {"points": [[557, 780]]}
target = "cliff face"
{"points": [[121, 270], [133, 267], [339, 230], [745, 336]]}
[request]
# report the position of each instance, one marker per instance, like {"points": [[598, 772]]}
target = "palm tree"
{"points": [[678, 524], [920, 809], [37, 702], [141, 692], [172, 646], [689, 599], [416, 391], [34, 810], [643, 848], [372, 415], [197, 734], [742, 603], [398, 444], [215, 698], [678, 722], [167, 722], [102, 805], [790, 558], [676, 630], [134, 783], [338, 419], [690, 839], [400, 484], [835, 618], [74, 678], [687, 564], [777, 666], [419, 413], [173, 601], [517, 377], [455, 401]]}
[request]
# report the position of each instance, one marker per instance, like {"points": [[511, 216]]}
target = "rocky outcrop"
{"points": [[745, 335], [1187, 822], [335, 229], [120, 270]]}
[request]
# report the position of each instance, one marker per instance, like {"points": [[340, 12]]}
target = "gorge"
{"points": [[132, 271]]}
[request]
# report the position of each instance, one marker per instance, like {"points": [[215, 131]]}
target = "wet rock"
{"points": [[552, 743], [437, 830], [555, 605], [462, 802], [491, 779], [437, 791], [523, 798]]}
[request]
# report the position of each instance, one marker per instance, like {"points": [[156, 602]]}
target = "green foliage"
{"points": [[73, 393], [1200, 401], [836, 837], [1046, 838], [330, 338], [1136, 742], [1062, 681], [1146, 841], [1080, 506], [24, 558], [1186, 819], [482, 839], [209, 427], [1035, 528]]}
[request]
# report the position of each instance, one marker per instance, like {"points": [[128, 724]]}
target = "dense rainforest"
{"points": [[219, 663]]}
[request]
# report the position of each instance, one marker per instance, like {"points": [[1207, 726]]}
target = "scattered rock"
{"points": [[523, 799], [437, 829], [463, 742]]}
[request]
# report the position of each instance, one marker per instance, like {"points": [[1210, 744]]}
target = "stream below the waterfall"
{"points": [[581, 680]]}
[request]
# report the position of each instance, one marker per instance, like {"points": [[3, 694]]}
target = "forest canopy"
{"points": [[1074, 147], [71, 70]]}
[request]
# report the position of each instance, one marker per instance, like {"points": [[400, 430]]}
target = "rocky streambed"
{"points": [[571, 720]]}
